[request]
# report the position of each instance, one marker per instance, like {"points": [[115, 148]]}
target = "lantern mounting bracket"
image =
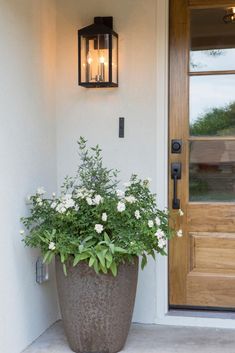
{"points": [[106, 21]]}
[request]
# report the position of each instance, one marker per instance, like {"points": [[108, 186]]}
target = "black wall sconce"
{"points": [[98, 54], [230, 15]]}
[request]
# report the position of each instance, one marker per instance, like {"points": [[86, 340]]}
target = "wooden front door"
{"points": [[202, 119]]}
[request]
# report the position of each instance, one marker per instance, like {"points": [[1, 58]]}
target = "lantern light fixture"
{"points": [[98, 54], [230, 15]]}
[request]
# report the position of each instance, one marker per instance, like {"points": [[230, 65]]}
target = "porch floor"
{"points": [[150, 339]]}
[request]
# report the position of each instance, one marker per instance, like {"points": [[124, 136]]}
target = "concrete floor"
{"points": [[150, 339]]}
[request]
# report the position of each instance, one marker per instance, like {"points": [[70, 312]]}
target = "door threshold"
{"points": [[229, 315]]}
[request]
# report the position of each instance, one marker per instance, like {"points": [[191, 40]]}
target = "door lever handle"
{"points": [[175, 176]]}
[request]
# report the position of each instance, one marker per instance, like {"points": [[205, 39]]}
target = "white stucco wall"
{"points": [[94, 113], [27, 155]]}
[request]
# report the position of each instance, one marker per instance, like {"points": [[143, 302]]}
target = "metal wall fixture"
{"points": [[230, 15], [98, 54]]}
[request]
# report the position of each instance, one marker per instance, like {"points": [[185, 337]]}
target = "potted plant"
{"points": [[97, 232]]}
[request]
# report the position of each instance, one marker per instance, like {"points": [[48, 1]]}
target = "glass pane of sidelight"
{"points": [[212, 171], [212, 105], [212, 40]]}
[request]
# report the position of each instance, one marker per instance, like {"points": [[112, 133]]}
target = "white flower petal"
{"points": [[121, 206], [104, 217], [99, 228], [51, 246]]}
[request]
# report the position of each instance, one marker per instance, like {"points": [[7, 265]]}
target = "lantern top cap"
{"points": [[102, 25]]}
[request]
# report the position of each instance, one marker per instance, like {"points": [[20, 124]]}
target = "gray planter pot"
{"points": [[96, 309]]}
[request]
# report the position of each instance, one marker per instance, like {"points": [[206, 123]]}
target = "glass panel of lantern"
{"points": [[95, 58]]}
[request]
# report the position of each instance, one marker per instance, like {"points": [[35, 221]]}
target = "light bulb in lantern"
{"points": [[89, 58], [89, 62], [102, 59], [101, 75]]}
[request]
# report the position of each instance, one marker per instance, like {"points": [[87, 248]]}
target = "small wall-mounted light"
{"points": [[98, 54], [230, 15]]}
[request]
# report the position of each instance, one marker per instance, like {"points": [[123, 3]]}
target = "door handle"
{"points": [[175, 176]]}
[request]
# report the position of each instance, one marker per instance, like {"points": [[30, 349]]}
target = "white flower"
{"points": [[51, 246], [157, 221], [97, 199], [179, 233], [39, 201], [99, 228], [82, 193], [181, 213], [161, 243], [69, 203], [61, 208], [53, 204], [150, 224], [159, 234], [120, 193], [76, 208], [53, 195], [21, 232], [130, 199], [41, 191], [127, 184], [89, 201], [104, 217], [121, 206], [137, 214]]}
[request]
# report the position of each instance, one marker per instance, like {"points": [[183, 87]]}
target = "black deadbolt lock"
{"points": [[176, 146]]}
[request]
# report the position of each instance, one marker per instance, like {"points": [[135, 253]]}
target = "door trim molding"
{"points": [[162, 316]]}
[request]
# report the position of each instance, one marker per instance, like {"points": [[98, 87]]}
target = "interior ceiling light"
{"points": [[230, 15]]}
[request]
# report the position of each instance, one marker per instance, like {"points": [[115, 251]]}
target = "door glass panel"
{"points": [[212, 40], [212, 171], [212, 105]]}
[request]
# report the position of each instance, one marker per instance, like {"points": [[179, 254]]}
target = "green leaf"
{"points": [[81, 247], [96, 267], [80, 257], [62, 258], [144, 261], [50, 257], [109, 257], [91, 261], [104, 269], [152, 253], [46, 256], [65, 270], [120, 250], [44, 240], [109, 260], [88, 238], [106, 238], [100, 256], [112, 247], [113, 268]]}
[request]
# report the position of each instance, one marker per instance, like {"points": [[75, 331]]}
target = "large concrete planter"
{"points": [[96, 309]]}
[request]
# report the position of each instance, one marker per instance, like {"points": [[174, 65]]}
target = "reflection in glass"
{"points": [[212, 171], [212, 41], [212, 105], [210, 60]]}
